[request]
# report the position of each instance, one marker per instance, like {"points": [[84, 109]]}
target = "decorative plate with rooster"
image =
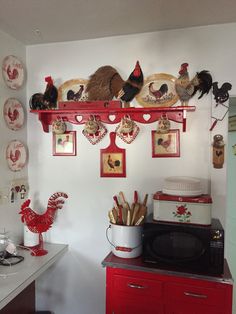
{"points": [[13, 72], [158, 91], [13, 114], [73, 90], [16, 155]]}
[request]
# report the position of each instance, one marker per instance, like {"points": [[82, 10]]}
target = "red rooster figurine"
{"points": [[13, 115], [39, 223]]}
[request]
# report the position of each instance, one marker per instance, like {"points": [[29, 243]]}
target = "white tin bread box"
{"points": [[182, 209], [182, 201]]}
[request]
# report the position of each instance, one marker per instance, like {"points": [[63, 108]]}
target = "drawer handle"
{"points": [[195, 295], [131, 285]]}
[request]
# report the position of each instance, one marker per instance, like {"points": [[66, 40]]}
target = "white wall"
{"points": [[77, 284], [231, 197], [10, 220]]}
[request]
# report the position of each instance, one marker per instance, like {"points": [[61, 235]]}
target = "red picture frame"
{"points": [[112, 160], [166, 144], [64, 144]]}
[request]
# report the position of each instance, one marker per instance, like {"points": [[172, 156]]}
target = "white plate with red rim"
{"points": [[13, 72], [16, 155], [13, 113]]}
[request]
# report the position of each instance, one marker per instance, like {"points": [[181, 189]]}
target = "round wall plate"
{"points": [[13, 114], [13, 72], [16, 155]]}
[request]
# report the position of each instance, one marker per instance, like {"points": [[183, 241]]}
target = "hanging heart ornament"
{"points": [[94, 130], [58, 126], [163, 124], [127, 130]]}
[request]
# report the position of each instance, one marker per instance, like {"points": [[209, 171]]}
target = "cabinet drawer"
{"points": [[195, 294], [138, 286]]}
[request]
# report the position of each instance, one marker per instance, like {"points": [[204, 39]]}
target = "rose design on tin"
{"points": [[182, 213]]}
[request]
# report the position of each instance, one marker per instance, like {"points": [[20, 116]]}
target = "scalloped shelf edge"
{"points": [[114, 115]]}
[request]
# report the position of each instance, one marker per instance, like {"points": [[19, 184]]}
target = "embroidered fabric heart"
{"points": [[163, 124], [127, 130], [97, 136]]}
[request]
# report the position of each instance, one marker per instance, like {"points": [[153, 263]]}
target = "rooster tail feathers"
{"points": [[57, 195], [99, 84], [55, 201], [205, 83]]}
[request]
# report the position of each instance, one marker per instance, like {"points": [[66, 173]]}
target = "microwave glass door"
{"points": [[177, 247]]}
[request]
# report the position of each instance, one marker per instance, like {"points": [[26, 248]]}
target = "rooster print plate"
{"points": [[16, 155], [73, 90], [158, 91], [13, 72], [13, 114]]}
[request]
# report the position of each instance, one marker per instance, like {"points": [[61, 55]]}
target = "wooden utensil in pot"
{"points": [[119, 209], [126, 209], [142, 211], [111, 217], [135, 206]]}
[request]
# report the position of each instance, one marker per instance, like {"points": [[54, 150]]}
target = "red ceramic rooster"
{"points": [[12, 73], [39, 223], [13, 115], [107, 83], [14, 156]]}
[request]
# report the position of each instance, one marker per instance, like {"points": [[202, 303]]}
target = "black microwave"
{"points": [[184, 247]]}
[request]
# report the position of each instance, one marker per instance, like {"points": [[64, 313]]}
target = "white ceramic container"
{"points": [[126, 241]]}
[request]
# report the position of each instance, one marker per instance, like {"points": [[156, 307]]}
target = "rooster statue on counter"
{"points": [[39, 223], [107, 83], [186, 88]]}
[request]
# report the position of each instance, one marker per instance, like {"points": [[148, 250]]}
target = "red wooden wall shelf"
{"points": [[113, 115]]}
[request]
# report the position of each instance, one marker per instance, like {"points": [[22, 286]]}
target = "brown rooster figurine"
{"points": [[186, 88], [39, 223], [107, 83]]}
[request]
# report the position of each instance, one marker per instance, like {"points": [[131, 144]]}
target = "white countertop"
{"points": [[19, 276]]}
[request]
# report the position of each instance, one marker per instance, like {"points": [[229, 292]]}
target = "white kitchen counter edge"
{"points": [[39, 264]]}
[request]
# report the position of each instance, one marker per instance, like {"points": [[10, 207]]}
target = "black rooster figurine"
{"points": [[50, 95], [48, 100], [221, 94]]}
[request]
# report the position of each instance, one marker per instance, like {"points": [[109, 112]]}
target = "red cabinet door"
{"points": [[126, 305], [181, 308]]}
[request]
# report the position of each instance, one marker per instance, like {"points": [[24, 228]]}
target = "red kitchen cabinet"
{"points": [[133, 287]]}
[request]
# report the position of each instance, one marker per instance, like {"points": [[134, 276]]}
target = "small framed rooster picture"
{"points": [[64, 144], [112, 160], [165, 144]]}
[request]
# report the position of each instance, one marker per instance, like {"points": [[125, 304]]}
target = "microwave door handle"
{"points": [[195, 295]]}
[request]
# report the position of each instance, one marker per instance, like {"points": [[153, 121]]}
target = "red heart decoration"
{"points": [[17, 188]]}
